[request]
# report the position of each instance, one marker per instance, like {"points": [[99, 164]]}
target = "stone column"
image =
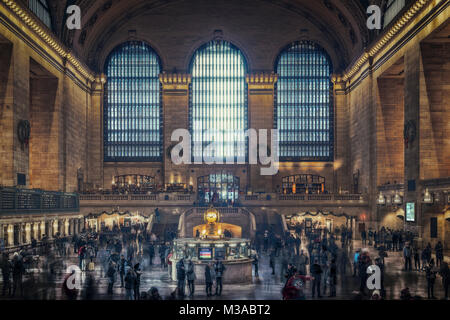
{"points": [[66, 227], [28, 233], [7, 176], [261, 116], [342, 156], [21, 107], [10, 235], [412, 115], [95, 132], [175, 97]]}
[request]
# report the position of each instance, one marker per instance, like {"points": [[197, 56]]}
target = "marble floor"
{"points": [[40, 286]]}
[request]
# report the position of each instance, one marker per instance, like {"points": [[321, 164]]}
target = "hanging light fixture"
{"points": [[427, 198], [397, 199], [381, 199]]}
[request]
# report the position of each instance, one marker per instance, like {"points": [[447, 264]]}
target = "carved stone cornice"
{"points": [[175, 81], [261, 82], [44, 34]]}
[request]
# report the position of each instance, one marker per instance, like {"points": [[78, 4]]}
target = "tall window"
{"points": [[218, 101], [393, 7], [304, 104], [222, 186], [132, 112], [40, 9]]}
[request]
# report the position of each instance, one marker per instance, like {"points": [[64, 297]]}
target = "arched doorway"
{"points": [[218, 187]]}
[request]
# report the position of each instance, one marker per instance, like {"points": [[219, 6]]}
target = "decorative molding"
{"points": [[175, 82], [48, 38], [262, 78], [261, 83], [399, 26]]}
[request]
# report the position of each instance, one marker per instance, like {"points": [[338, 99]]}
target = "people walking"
{"points": [[316, 273], [111, 274], [6, 274], [121, 267], [137, 283], [191, 277], [439, 250], [18, 270], [430, 273], [208, 280], [181, 277], [407, 255], [130, 282], [445, 274], [332, 278], [219, 269]]}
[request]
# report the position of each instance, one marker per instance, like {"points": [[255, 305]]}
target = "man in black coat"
{"points": [[316, 272], [181, 277], [219, 268], [208, 281]]}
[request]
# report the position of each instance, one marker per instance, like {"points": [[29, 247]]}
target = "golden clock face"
{"points": [[211, 216]]}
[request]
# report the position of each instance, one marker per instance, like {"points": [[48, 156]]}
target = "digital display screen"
{"points": [[205, 254], [219, 254], [410, 211]]}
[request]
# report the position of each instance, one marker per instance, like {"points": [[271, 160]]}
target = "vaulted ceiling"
{"points": [[339, 25]]}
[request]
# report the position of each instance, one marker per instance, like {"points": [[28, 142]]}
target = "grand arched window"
{"points": [[132, 109], [304, 103], [218, 101], [41, 10]]}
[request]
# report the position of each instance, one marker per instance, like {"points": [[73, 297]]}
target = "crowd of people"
{"points": [[316, 256], [324, 260]]}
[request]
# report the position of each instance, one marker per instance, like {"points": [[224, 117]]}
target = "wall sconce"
{"points": [[428, 197], [437, 197], [397, 199], [381, 199]]}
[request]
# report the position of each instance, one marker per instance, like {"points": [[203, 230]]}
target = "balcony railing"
{"points": [[13, 200], [191, 198]]}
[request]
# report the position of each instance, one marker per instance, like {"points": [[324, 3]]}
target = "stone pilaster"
{"points": [[261, 112], [412, 115], [175, 105], [95, 134]]}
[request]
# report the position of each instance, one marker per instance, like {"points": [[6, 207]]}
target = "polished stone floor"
{"points": [[38, 286]]}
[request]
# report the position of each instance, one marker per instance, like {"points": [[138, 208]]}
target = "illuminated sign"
{"points": [[410, 211]]}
